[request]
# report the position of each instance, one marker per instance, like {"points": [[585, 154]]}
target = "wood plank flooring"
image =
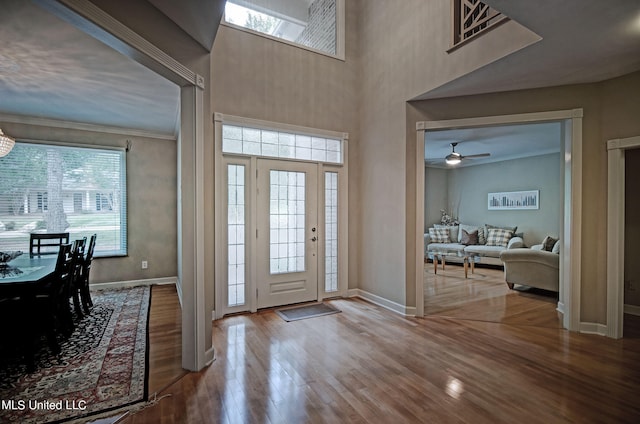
{"points": [[165, 338], [369, 365], [484, 296]]}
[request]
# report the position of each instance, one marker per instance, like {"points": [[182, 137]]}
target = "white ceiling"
{"points": [[502, 142], [50, 69]]}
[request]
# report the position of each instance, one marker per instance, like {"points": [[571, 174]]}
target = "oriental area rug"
{"points": [[102, 366]]}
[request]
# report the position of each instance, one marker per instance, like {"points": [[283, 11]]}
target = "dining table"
{"points": [[21, 279], [22, 275]]}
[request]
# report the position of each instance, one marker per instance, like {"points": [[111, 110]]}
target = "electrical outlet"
{"points": [[145, 264], [630, 285]]}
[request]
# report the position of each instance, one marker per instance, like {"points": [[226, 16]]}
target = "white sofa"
{"points": [[487, 254], [533, 267]]}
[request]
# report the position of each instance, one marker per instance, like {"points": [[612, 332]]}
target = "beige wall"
{"points": [[258, 78], [403, 54], [151, 197], [632, 228], [610, 111]]}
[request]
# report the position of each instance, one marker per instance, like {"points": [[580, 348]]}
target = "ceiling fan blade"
{"points": [[479, 155]]}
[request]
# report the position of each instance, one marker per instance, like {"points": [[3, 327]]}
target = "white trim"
{"points": [[250, 162], [196, 328], [487, 121], [407, 311], [134, 283], [560, 307], [71, 125], [616, 232], [179, 290], [340, 34], [572, 222], [593, 328], [632, 310], [209, 356]]}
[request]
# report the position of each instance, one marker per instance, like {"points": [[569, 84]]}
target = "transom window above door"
{"points": [[279, 144]]}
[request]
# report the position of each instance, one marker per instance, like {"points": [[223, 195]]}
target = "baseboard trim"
{"points": [[632, 310], [593, 328], [407, 311], [179, 290], [134, 283], [210, 356]]}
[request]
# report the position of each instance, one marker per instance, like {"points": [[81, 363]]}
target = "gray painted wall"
{"points": [[632, 228], [464, 191]]}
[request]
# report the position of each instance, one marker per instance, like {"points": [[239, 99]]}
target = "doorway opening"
{"points": [[621, 273], [570, 225]]}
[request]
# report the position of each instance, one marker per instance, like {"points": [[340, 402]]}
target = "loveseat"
{"points": [[535, 267], [452, 238]]}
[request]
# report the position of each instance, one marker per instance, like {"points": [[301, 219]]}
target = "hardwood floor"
{"points": [[484, 296], [165, 338], [369, 365]]}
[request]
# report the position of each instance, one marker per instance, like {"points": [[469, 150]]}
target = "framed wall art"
{"points": [[513, 200]]}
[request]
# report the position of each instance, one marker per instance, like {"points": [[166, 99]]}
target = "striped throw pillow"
{"points": [[439, 235], [498, 237]]}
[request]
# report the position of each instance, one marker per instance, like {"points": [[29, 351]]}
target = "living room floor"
{"points": [[484, 296]]}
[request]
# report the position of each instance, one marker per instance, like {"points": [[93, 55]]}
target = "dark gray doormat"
{"points": [[306, 311]]}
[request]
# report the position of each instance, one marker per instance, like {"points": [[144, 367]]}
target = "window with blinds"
{"points": [[50, 188]]}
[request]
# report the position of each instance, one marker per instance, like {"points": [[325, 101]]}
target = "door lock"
{"points": [[313, 230], [314, 239]]}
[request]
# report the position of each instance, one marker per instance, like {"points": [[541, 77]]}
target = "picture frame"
{"points": [[514, 200]]}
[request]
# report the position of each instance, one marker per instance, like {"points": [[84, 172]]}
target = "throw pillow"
{"points": [[453, 231], [482, 235], [548, 242], [556, 247], [467, 228], [439, 235], [469, 238], [512, 229], [498, 237]]}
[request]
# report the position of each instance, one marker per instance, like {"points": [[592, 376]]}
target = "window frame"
{"points": [[340, 34], [123, 210]]}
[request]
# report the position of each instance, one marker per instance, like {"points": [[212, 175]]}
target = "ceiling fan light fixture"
{"points": [[6, 144], [453, 158]]}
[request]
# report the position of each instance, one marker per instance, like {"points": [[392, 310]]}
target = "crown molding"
{"points": [[54, 123]]}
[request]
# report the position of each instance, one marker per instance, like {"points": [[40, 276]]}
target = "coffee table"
{"points": [[468, 259]]}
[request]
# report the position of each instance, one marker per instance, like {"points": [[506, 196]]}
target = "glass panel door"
{"points": [[287, 233]]}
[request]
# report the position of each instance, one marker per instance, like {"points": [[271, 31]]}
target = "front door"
{"points": [[287, 233]]}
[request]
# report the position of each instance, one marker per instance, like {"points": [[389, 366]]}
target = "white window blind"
{"points": [[49, 188]]}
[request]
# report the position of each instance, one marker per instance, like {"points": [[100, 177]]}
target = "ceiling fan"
{"points": [[455, 158]]}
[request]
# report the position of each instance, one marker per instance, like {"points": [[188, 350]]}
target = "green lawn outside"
{"points": [[105, 225]]}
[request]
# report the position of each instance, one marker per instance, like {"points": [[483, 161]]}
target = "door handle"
{"points": [[314, 239]]}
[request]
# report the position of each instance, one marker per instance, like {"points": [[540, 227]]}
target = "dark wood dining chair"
{"points": [[85, 294], [46, 243], [75, 279], [52, 300]]}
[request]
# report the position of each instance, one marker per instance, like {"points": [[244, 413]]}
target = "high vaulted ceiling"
{"points": [[582, 41], [50, 69]]}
